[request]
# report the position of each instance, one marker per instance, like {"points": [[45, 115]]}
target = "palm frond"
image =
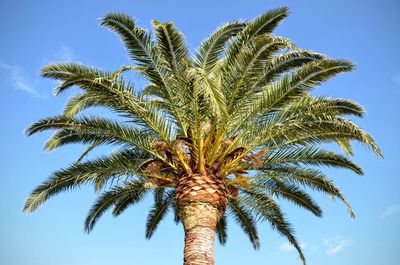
{"points": [[172, 47], [158, 212], [106, 200], [209, 51], [98, 172], [249, 65], [221, 230], [325, 130], [310, 156], [316, 72], [137, 41], [143, 51], [306, 177], [104, 90], [264, 24], [246, 221], [283, 64], [289, 192], [88, 130], [268, 210]]}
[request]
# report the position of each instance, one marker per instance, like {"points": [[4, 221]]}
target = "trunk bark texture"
{"points": [[201, 201], [200, 220]]}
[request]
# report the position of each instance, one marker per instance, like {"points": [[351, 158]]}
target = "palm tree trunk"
{"points": [[201, 201], [199, 220]]}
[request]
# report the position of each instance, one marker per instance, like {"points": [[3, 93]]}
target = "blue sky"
{"points": [[36, 33]]}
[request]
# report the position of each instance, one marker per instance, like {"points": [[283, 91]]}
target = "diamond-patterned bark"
{"points": [[202, 188]]}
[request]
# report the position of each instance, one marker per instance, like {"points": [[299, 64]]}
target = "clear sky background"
{"points": [[35, 33]]}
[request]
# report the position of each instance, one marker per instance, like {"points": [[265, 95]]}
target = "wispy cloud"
{"points": [[396, 81], [64, 54], [19, 79], [289, 247], [391, 210], [336, 244]]}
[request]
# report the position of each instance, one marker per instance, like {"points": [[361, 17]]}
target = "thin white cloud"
{"points": [[19, 79], [396, 81], [64, 54], [289, 247], [391, 210], [336, 244]]}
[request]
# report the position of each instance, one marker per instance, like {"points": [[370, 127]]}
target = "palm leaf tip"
{"points": [[155, 23], [33, 202], [352, 214], [221, 231], [31, 130], [46, 124], [268, 21], [39, 195], [115, 16], [158, 213], [377, 151], [245, 219]]}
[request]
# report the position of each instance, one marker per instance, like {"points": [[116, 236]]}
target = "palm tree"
{"points": [[226, 132]]}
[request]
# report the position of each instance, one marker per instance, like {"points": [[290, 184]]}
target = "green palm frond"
{"points": [[65, 71], [245, 220], [102, 89], [98, 172], [158, 212], [211, 101], [264, 24], [284, 63], [172, 47], [305, 177], [107, 199], [314, 73], [143, 51], [268, 210], [88, 130], [210, 49], [345, 145], [308, 76], [124, 201], [290, 192], [221, 230], [80, 102], [137, 41], [319, 131], [249, 65], [322, 106], [279, 94], [275, 96], [89, 149], [305, 131], [310, 156]]}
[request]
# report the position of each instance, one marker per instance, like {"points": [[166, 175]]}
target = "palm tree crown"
{"points": [[233, 127]]}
